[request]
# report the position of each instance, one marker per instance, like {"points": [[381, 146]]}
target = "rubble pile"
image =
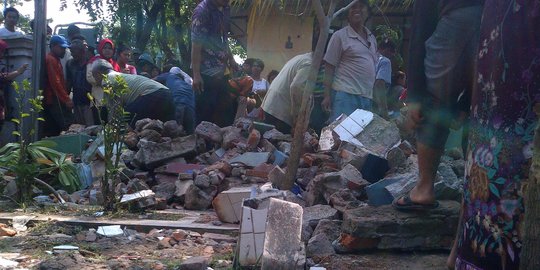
{"points": [[340, 201]]}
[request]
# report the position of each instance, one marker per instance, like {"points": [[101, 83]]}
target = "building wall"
{"points": [[269, 36]]}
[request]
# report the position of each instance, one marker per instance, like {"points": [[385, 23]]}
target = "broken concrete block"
{"points": [[231, 137], [383, 227], [329, 140], [221, 166], [153, 155], [136, 184], [210, 132], [197, 199], [323, 186], [251, 159], [175, 168], [194, 263], [172, 129], [330, 228], [181, 188], [395, 157], [343, 200], [228, 204], [366, 129], [267, 146], [313, 214], [319, 246], [354, 159], [282, 250], [165, 190], [277, 177]]}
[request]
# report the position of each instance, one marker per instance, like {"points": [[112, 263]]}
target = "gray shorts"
{"points": [[450, 69]]}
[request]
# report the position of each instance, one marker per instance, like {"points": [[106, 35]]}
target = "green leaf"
{"points": [[494, 190], [491, 172], [16, 121], [41, 119], [23, 115], [15, 133]]}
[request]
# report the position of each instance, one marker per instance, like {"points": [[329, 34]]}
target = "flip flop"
{"points": [[409, 205]]}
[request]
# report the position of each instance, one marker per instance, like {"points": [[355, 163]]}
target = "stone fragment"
{"points": [[154, 124], [355, 159], [219, 237], [383, 227], [194, 263], [395, 157], [181, 188], [179, 235], [153, 155], [165, 190], [95, 197], [221, 166], [277, 177], [164, 243], [305, 175], [267, 146], [210, 132], [228, 204], [231, 137], [282, 250], [330, 228], [135, 185], [313, 214], [343, 200], [202, 181], [150, 135], [131, 140], [319, 246], [91, 236], [197, 199], [324, 185], [172, 129], [139, 125]]}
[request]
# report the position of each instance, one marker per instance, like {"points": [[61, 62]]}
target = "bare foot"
{"points": [[420, 197]]}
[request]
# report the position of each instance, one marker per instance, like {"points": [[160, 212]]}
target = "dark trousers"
{"points": [[185, 116], [280, 125], [57, 118], [157, 105], [215, 104]]}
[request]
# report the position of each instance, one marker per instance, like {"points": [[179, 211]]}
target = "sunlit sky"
{"points": [[67, 16]]}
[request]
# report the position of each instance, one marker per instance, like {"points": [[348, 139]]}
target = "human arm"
{"points": [[383, 79], [329, 71], [14, 74], [56, 82], [423, 25], [196, 67]]}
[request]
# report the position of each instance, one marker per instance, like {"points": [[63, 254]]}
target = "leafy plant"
{"points": [[26, 160], [114, 131]]}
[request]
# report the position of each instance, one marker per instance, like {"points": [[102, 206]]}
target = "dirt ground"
{"points": [[157, 249]]}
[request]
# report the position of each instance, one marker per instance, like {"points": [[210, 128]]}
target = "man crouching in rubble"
{"points": [[145, 97]]}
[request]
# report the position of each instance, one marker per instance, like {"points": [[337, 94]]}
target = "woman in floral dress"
{"points": [[501, 134]]}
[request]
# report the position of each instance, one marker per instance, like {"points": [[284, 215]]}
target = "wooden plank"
{"points": [[144, 225]]}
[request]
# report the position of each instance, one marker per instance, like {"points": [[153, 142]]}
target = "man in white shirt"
{"points": [[11, 18]]}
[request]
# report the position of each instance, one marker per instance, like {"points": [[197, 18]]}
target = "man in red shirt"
{"points": [[57, 104]]}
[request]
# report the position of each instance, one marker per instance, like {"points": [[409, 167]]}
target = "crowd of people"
{"points": [[471, 62]]}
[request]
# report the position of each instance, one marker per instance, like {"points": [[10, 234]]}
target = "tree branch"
{"points": [[344, 9]]}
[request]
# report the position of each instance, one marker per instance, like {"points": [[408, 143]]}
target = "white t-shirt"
{"points": [[4, 32], [261, 85]]}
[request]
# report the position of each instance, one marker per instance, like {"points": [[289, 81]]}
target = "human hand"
{"points": [[198, 84], [414, 116], [326, 103], [22, 68]]}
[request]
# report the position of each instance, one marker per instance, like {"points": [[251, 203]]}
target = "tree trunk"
{"points": [[179, 34], [302, 120], [531, 231], [151, 19]]}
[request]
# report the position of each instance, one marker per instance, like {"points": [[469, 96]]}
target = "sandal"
{"points": [[409, 205]]}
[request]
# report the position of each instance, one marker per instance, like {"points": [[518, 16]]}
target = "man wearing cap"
{"points": [[57, 104], [184, 100]]}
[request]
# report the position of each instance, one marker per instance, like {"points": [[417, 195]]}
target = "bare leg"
{"points": [[428, 163]]}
